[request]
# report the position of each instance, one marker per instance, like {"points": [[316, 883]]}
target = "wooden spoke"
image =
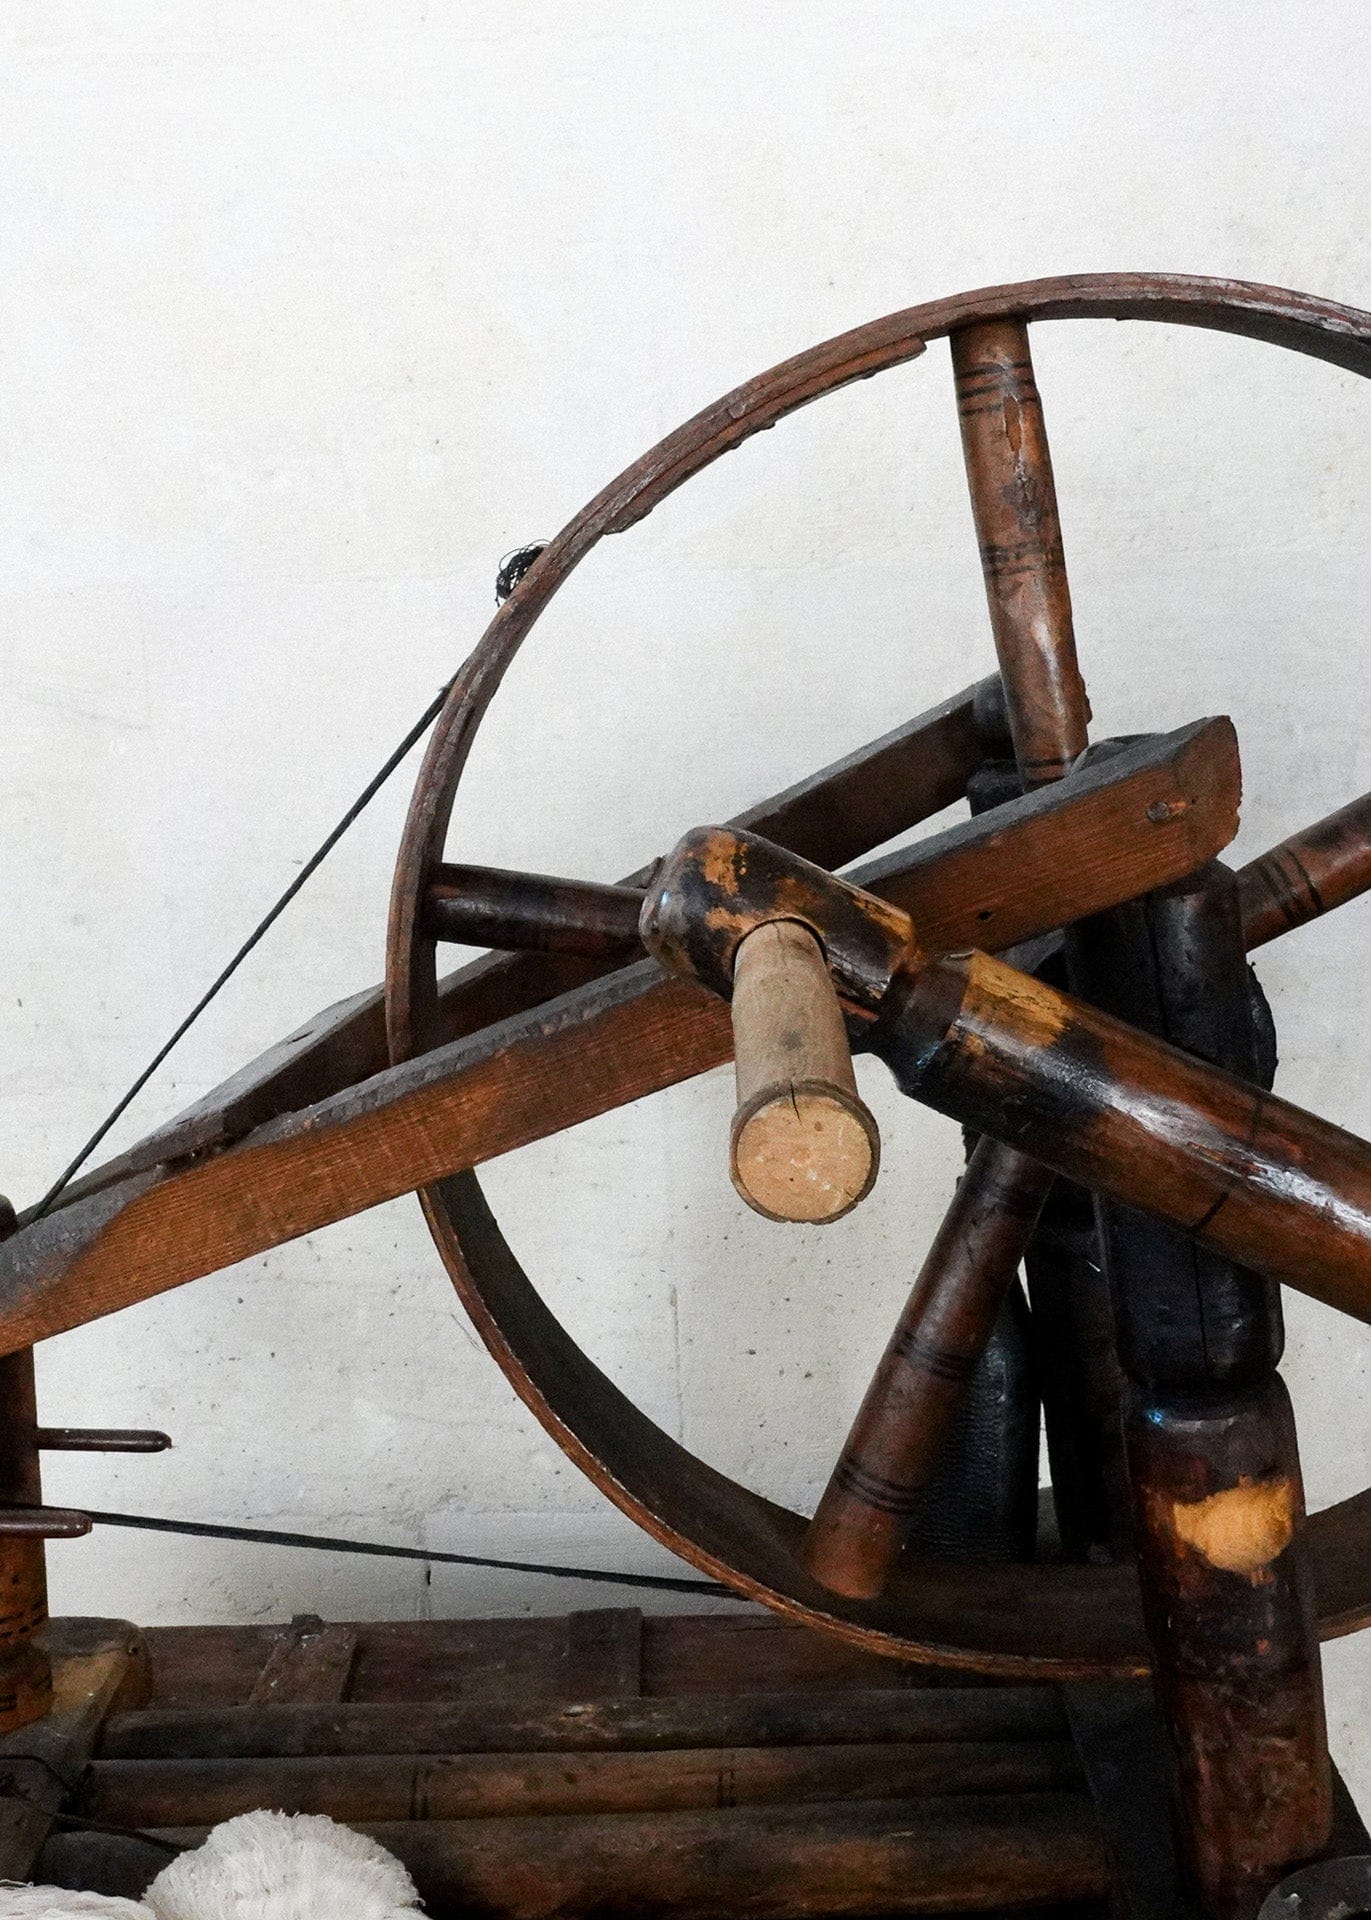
{"points": [[1015, 506], [895, 1445], [531, 912], [1307, 875]]}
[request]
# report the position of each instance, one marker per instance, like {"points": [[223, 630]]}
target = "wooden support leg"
{"points": [[25, 1671], [1217, 1497]]}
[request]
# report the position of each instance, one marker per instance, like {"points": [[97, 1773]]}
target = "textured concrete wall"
{"points": [[311, 312]]}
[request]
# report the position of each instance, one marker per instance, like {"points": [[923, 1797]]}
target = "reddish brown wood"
{"points": [[832, 817], [1014, 502], [25, 1670], [457, 1786], [859, 1527], [1308, 874]]}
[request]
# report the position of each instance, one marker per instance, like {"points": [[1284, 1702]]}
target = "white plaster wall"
{"points": [[311, 311]]}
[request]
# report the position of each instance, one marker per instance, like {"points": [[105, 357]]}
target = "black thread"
{"points": [[263, 1536], [325, 847]]}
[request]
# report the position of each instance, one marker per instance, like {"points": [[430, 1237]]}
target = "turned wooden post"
{"points": [[803, 1145], [25, 1670], [1217, 1496]]}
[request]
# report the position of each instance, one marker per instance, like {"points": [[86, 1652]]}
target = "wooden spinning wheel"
{"points": [[1065, 974]]}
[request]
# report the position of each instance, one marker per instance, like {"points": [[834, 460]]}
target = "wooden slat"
{"points": [[456, 1786], [604, 1654], [309, 1664], [630, 1034], [861, 1716]]}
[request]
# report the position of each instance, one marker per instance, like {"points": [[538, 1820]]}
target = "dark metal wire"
{"points": [[264, 1536], [325, 847]]}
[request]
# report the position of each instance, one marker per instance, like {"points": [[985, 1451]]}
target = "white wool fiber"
{"points": [[56, 1903], [277, 1866]]}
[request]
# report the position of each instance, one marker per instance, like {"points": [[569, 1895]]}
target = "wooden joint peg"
{"points": [[803, 1145]]}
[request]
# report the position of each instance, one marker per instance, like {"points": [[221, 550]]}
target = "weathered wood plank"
{"points": [[862, 1716], [309, 1663]]}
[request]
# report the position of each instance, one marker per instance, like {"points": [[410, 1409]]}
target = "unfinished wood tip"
{"points": [[804, 1147], [806, 1154]]}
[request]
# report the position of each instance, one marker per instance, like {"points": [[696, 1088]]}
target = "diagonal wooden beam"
{"points": [[831, 817], [1159, 807]]}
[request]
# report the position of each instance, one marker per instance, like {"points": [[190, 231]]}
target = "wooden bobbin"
{"points": [[803, 1145]]}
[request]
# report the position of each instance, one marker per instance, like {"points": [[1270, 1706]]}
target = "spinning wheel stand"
{"points": [[1065, 975]]}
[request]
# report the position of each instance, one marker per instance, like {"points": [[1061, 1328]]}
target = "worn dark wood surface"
{"points": [[856, 1716], [893, 1450], [532, 912], [41, 1764], [457, 1786], [977, 1852], [1217, 1498], [25, 1670]]}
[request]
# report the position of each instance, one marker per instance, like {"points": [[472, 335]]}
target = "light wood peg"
{"points": [[804, 1146]]}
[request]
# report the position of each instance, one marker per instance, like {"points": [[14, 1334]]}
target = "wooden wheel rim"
{"points": [[1021, 1620]]}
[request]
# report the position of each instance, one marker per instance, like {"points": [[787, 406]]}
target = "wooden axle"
{"points": [[803, 1145]]}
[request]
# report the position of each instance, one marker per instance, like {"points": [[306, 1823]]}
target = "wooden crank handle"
{"points": [[803, 1145]]}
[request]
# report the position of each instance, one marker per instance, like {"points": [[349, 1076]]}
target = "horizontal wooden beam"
{"points": [[464, 1786], [858, 1716]]}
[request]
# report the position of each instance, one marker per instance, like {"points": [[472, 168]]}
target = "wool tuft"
{"points": [[56, 1903], [277, 1866]]}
